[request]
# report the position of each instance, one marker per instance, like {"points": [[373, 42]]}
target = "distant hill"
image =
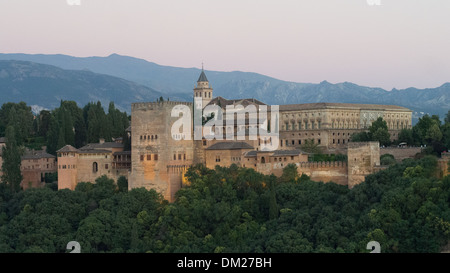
{"points": [[44, 86], [175, 82]]}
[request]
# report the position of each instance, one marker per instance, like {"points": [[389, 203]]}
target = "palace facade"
{"points": [[159, 156]]}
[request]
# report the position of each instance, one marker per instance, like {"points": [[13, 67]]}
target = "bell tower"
{"points": [[203, 90]]}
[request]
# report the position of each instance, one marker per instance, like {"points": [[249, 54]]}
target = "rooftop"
{"points": [[222, 102], [230, 146], [94, 151], [328, 105], [276, 153], [104, 145], [67, 149], [202, 77], [37, 155]]}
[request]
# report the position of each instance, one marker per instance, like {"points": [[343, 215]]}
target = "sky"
{"points": [[375, 43]]}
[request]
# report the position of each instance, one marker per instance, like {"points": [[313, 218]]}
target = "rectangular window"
{"points": [[155, 156], [149, 157], [179, 156], [299, 142], [106, 166], [142, 157]]}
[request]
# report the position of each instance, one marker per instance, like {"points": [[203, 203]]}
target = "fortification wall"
{"points": [[155, 151], [401, 153], [67, 172], [363, 159], [325, 171]]}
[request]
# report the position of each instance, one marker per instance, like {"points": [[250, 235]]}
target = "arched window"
{"points": [[94, 167], [263, 160]]}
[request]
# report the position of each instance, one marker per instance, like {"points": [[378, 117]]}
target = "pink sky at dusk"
{"points": [[398, 44]]}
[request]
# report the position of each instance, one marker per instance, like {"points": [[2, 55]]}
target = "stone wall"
{"points": [[401, 153], [336, 172], [92, 166], [363, 158], [155, 152], [67, 171]]}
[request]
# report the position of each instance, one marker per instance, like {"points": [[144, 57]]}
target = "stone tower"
{"points": [[203, 90], [67, 167], [363, 158], [159, 156]]}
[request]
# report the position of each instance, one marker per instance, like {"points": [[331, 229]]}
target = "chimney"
{"points": [[102, 140]]}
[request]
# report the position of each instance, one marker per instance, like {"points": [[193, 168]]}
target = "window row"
{"points": [[179, 156], [199, 94], [302, 126], [149, 137], [293, 142], [149, 157], [67, 166]]}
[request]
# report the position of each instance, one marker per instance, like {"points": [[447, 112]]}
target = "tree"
{"points": [[53, 136], [122, 184], [378, 131], [11, 154], [406, 135], [387, 159], [290, 173], [44, 122], [18, 115], [382, 135], [310, 147], [433, 134], [360, 137]]}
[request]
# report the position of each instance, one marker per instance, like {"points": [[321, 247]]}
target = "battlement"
{"points": [[362, 144], [323, 164], [157, 105]]}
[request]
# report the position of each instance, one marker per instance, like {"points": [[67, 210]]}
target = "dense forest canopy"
{"points": [[67, 124], [405, 208]]}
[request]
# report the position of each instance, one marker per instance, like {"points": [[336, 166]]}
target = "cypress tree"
{"points": [[11, 154]]}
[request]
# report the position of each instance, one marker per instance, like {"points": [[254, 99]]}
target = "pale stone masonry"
{"points": [[90, 162], [159, 157]]}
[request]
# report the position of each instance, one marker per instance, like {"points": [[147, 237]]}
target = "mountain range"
{"points": [[122, 79]]}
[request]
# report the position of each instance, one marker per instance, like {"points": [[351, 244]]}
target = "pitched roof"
{"points": [[94, 151], [67, 149], [276, 153], [104, 145], [123, 153], [230, 146], [222, 102], [286, 152], [37, 155], [202, 77]]}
